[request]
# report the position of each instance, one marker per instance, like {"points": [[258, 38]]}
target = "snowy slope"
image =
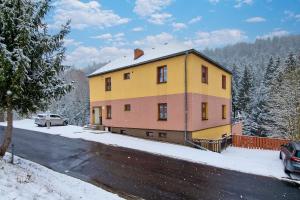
{"points": [[260, 162], [28, 181]]}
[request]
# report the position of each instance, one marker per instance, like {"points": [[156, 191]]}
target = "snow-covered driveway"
{"points": [[260, 162]]}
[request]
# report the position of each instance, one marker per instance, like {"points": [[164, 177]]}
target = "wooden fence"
{"points": [[253, 142], [214, 145]]}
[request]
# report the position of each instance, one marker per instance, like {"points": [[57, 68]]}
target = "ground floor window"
{"points": [[162, 111], [127, 107], [108, 112], [224, 112], [204, 111]]}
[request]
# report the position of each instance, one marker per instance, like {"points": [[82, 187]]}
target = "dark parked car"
{"points": [[290, 154]]}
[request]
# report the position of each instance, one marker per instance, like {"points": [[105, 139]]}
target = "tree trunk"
{"points": [[8, 131]]}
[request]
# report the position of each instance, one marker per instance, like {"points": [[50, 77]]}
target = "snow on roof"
{"points": [[149, 54]]}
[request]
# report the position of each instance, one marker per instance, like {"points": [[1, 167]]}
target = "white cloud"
{"points": [[83, 56], [216, 38], [71, 42], [154, 40], [159, 18], [137, 29], [195, 20], [178, 26], [240, 3], [147, 7], [275, 33], [82, 15], [255, 20], [152, 9], [214, 1], [291, 16], [115, 40], [103, 36]]}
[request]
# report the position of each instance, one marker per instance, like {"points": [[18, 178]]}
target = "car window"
{"points": [[290, 148], [52, 116], [41, 116], [297, 154]]}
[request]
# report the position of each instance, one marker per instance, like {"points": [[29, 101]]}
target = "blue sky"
{"points": [[105, 29]]}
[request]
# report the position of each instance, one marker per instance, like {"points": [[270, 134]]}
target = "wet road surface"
{"points": [[143, 175]]}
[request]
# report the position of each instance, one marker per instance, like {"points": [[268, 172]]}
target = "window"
{"points": [[108, 112], [223, 81], [162, 111], [297, 154], [126, 76], [162, 74], [204, 111], [127, 107], [224, 112], [108, 84], [149, 134], [123, 132], [290, 148], [204, 74], [162, 135]]}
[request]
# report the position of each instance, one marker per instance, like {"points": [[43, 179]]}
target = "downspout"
{"points": [[185, 100], [186, 139]]}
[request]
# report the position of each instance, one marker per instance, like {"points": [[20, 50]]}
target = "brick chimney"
{"points": [[138, 53]]}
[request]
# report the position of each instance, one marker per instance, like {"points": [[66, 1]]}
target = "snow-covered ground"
{"points": [[27, 181], [260, 162]]}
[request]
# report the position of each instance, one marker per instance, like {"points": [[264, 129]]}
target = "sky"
{"points": [[104, 30]]}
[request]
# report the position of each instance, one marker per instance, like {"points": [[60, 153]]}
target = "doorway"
{"points": [[98, 116]]}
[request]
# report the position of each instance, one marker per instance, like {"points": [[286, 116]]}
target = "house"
{"points": [[169, 94]]}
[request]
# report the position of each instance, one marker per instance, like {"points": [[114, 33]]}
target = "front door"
{"points": [[97, 116]]}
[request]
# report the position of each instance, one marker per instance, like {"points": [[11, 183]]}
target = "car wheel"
{"points": [[286, 170], [45, 125], [65, 123], [280, 156]]}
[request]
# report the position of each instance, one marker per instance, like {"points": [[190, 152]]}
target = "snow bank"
{"points": [[260, 162], [27, 180]]}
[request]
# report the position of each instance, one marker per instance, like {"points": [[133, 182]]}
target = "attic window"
{"points": [[126, 76]]}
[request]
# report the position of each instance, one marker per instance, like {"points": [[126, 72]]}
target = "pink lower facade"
{"points": [[144, 112]]}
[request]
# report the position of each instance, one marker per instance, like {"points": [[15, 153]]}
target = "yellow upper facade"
{"points": [[143, 80]]}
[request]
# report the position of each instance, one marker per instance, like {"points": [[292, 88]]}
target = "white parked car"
{"points": [[55, 120]]}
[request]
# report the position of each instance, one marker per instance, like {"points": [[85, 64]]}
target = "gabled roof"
{"points": [[151, 55]]}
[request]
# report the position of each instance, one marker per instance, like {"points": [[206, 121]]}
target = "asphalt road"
{"points": [[143, 175]]}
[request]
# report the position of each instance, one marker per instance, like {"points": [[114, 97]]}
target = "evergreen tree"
{"points": [[261, 117], [234, 89], [246, 91], [30, 60], [287, 99]]}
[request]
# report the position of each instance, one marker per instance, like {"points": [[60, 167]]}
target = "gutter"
{"points": [[186, 139]]}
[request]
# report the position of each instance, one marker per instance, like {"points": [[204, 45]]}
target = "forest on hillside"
{"points": [[266, 86]]}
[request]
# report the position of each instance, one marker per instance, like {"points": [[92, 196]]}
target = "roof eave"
{"points": [[166, 57]]}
